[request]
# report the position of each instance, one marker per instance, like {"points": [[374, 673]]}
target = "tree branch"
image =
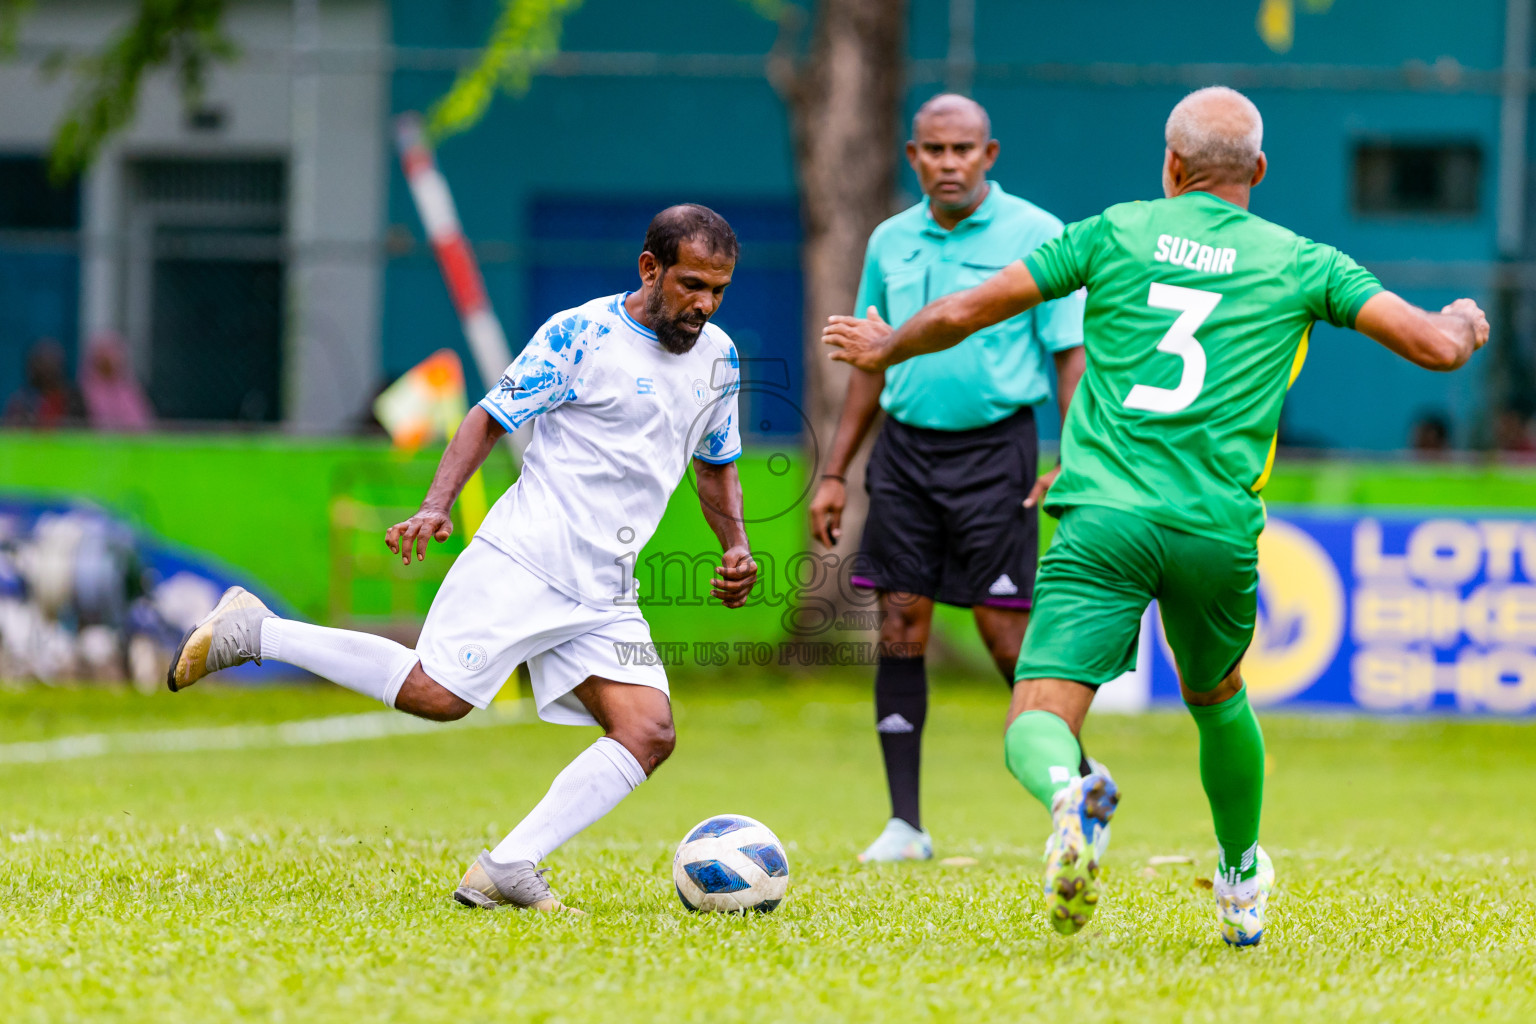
{"points": [[184, 34], [525, 37], [11, 12]]}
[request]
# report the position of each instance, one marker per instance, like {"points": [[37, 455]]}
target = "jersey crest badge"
{"points": [[473, 657]]}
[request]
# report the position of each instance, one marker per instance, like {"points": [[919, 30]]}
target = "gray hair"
{"points": [[1217, 131]]}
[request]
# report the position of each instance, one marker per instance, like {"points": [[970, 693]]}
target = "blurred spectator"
{"points": [[1512, 434], [113, 396], [48, 399], [1431, 434]]}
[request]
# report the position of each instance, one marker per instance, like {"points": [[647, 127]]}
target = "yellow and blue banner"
{"points": [[1392, 613]]}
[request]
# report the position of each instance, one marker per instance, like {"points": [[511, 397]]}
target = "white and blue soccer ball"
{"points": [[732, 863]]}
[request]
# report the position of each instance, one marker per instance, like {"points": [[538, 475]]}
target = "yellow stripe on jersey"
{"points": [[1274, 442], [1301, 356]]}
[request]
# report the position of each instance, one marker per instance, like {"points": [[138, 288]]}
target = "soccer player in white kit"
{"points": [[624, 392]]}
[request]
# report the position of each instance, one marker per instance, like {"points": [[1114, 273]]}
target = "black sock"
{"points": [[901, 706]]}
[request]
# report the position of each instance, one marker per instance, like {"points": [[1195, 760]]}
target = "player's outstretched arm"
{"points": [[720, 500], [1436, 341], [471, 443], [871, 344]]}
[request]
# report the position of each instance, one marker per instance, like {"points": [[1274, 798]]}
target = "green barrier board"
{"points": [[306, 517]]}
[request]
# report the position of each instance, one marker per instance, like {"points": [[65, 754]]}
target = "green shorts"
{"points": [[1102, 569]]}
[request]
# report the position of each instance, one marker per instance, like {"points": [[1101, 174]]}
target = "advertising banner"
{"points": [[84, 595], [1392, 612]]}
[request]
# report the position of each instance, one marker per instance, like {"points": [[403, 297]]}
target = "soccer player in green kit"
{"points": [[1197, 323]]}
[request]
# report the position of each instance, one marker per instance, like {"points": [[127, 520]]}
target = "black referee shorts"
{"points": [[946, 513]]}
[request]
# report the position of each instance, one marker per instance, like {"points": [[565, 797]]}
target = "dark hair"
{"points": [[677, 224]]}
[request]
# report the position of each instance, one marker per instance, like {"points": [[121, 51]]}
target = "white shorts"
{"points": [[492, 614]]}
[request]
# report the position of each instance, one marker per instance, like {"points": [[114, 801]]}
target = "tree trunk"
{"points": [[844, 100]]}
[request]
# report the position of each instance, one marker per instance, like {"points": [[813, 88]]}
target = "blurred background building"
{"points": [[262, 261], [232, 282]]}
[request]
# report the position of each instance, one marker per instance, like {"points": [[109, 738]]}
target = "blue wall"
{"points": [[39, 298], [1068, 144], [614, 141]]}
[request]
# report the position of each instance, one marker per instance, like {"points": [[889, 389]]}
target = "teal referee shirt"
{"points": [[992, 374]]}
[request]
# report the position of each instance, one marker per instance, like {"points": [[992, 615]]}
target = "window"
{"points": [[1436, 178], [39, 264], [29, 201], [205, 286]]}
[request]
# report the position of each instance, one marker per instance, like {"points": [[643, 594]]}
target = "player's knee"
{"points": [[1222, 692], [904, 619], [651, 741], [1004, 652], [663, 741], [424, 697], [446, 707], [452, 709]]}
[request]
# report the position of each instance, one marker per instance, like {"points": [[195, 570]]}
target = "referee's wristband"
{"points": [[835, 476]]}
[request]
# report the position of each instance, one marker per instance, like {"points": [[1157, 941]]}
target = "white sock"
{"points": [[588, 788], [373, 666]]}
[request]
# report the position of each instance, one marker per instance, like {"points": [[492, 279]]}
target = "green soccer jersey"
{"points": [[1197, 323]]}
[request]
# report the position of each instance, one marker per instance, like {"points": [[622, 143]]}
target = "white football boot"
{"points": [[491, 886], [227, 636], [1240, 906], [1079, 830], [900, 841]]}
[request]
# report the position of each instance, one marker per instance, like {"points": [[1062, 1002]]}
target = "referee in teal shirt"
{"points": [[952, 478]]}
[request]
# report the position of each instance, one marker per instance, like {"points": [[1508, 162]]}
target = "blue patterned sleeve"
{"points": [[721, 440], [546, 374]]}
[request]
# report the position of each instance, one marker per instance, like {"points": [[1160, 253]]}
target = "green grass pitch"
{"points": [[311, 883]]}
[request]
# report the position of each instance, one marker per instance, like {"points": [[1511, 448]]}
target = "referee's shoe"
{"points": [[900, 841]]}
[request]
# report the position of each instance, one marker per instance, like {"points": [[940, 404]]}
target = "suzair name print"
{"points": [[1186, 252]]}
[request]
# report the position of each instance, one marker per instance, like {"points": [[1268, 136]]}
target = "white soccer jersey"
{"points": [[618, 418]]}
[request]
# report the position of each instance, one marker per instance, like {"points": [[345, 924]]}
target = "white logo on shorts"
{"points": [[473, 657], [1002, 586]]}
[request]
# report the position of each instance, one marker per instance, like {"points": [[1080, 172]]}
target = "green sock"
{"points": [[1041, 752], [1232, 771]]}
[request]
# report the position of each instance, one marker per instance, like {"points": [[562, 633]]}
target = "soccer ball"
{"points": [[732, 863]]}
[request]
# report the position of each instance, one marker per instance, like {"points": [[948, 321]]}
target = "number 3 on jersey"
{"points": [[1194, 306]]}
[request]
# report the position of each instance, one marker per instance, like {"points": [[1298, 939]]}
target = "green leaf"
{"points": [[773, 10], [525, 37], [185, 35], [11, 12]]}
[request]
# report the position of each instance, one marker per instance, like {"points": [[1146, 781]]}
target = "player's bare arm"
{"points": [[1436, 341], [720, 500], [470, 446], [871, 344], [859, 408], [1070, 365]]}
